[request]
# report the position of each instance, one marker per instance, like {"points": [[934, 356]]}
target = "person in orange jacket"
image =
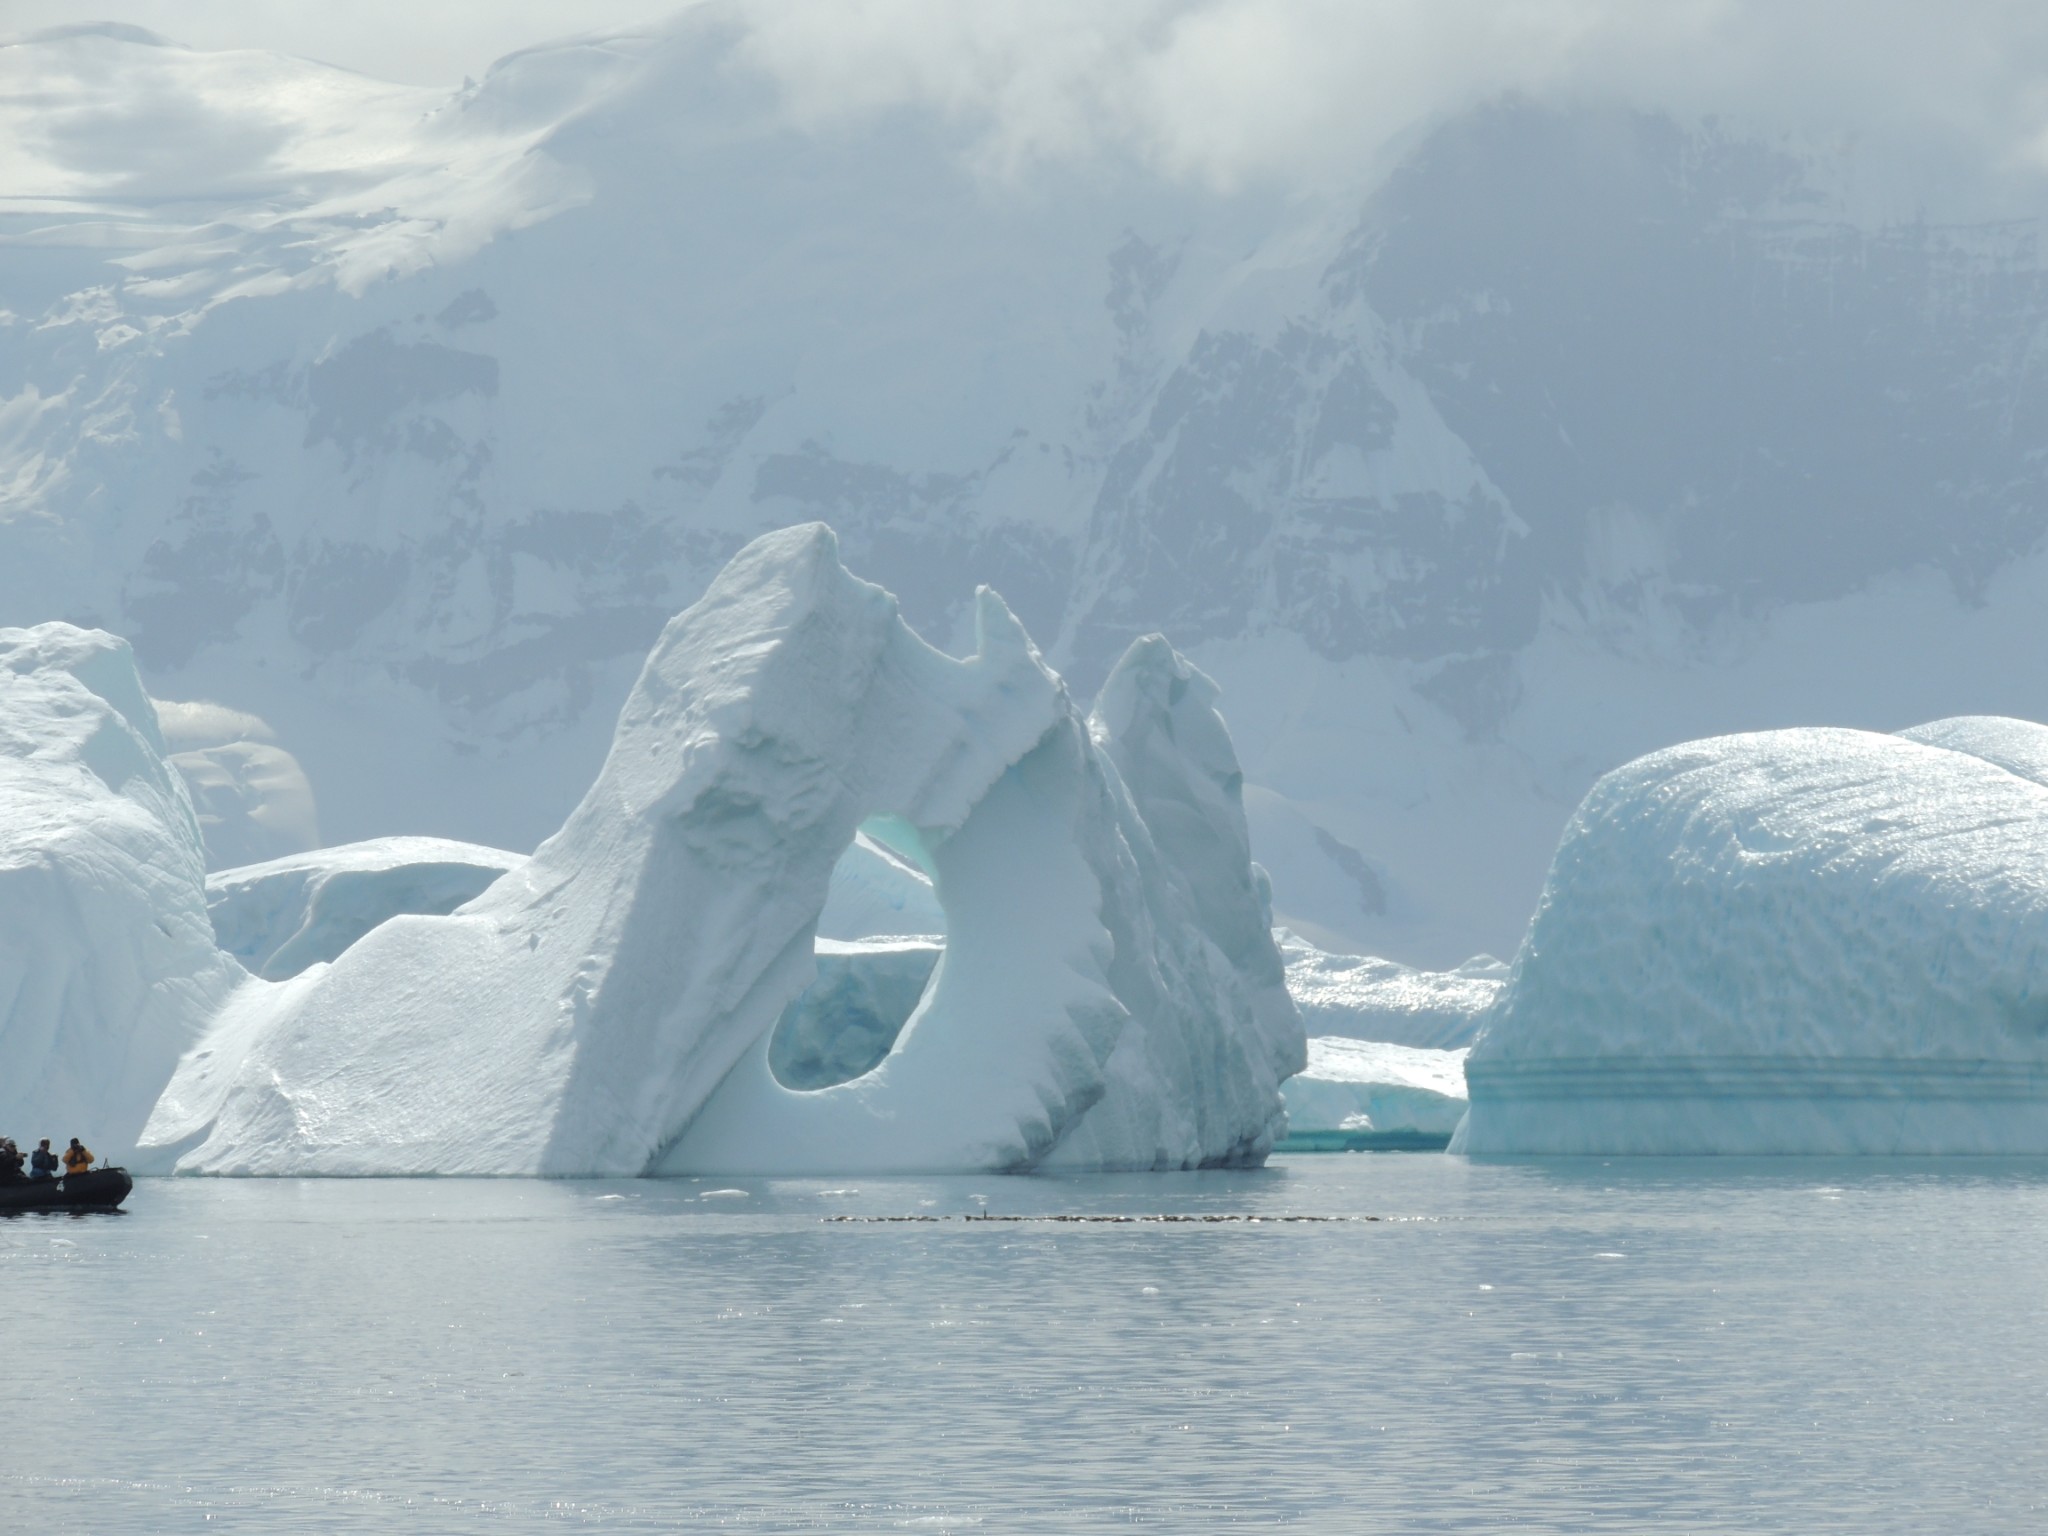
{"points": [[76, 1158]]}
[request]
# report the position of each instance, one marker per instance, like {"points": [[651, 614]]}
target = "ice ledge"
{"points": [[1755, 1077]]}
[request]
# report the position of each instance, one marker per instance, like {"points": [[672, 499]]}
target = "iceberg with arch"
{"points": [[1797, 941], [1106, 992]]}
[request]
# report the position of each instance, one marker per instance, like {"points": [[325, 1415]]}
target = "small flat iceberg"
{"points": [[1368, 1095]]}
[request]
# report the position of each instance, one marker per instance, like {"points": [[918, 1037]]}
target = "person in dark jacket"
{"points": [[76, 1157], [10, 1163], [42, 1163]]}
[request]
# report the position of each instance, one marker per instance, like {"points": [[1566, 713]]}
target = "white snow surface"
{"points": [[1800, 941], [1366, 1085], [1108, 993], [1364, 997], [108, 969], [2017, 746], [283, 915]]}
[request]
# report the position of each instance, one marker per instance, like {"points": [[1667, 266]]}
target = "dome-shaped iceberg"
{"points": [[2018, 746], [1801, 941]]}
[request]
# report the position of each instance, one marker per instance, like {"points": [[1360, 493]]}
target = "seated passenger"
{"points": [[76, 1158], [10, 1163], [42, 1163]]}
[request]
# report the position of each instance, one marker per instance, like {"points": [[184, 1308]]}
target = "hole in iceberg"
{"points": [[878, 947]]}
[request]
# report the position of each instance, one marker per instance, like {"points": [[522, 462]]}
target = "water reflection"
{"points": [[1580, 1345]]}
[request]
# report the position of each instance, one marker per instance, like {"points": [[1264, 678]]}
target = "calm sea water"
{"points": [[1700, 1346]]}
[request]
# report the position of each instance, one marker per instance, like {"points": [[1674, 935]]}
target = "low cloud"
{"points": [[1295, 92], [1307, 91]]}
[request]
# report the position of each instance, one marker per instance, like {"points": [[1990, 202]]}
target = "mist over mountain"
{"points": [[402, 420]]}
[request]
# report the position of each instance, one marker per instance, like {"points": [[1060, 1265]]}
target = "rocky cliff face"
{"points": [[404, 421]]}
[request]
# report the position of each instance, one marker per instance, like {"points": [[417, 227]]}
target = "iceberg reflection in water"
{"points": [[1583, 1345]]}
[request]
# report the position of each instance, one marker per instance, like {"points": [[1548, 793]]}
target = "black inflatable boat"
{"points": [[101, 1189]]}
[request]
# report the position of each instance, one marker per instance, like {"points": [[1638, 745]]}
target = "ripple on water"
{"points": [[1605, 1347]]}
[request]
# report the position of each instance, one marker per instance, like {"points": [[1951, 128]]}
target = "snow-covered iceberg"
{"points": [[108, 968], [1801, 941], [1107, 995], [1359, 1094], [282, 915], [1363, 997], [2017, 746]]}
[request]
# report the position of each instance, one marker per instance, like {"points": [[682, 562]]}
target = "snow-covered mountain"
{"points": [[403, 420]]}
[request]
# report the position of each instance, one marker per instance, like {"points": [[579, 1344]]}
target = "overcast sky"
{"points": [[420, 42], [1232, 88]]}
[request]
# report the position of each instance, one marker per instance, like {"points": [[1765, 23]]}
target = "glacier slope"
{"points": [[1444, 483]]}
